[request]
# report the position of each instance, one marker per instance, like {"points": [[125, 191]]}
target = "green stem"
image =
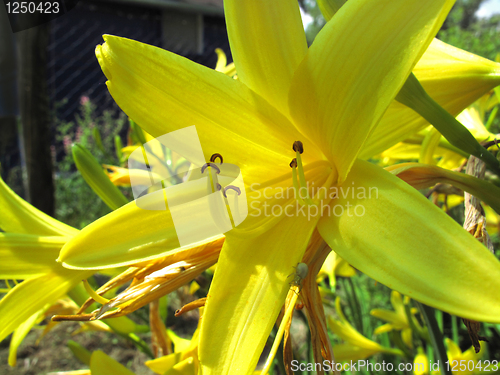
{"points": [[359, 315], [435, 336], [454, 328], [492, 116], [138, 342]]}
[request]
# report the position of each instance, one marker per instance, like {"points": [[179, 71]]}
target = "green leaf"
{"points": [[94, 175], [413, 95]]}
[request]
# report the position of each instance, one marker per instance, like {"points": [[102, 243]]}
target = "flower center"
{"points": [[300, 183]]}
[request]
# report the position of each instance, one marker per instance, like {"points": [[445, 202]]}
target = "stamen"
{"points": [[93, 294], [231, 187], [215, 156], [296, 187], [206, 165], [296, 163], [300, 273], [190, 306], [298, 147]]}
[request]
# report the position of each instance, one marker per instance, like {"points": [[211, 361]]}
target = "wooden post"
{"points": [[35, 115]]}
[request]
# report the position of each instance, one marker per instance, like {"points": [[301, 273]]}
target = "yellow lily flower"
{"points": [[329, 97], [412, 147], [29, 247], [452, 77], [222, 65], [184, 359], [356, 346], [461, 363], [121, 176], [421, 363], [335, 266], [396, 319], [492, 220]]}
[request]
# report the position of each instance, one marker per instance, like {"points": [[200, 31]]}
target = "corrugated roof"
{"points": [[216, 3], [203, 6]]}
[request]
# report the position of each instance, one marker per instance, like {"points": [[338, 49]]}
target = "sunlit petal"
{"points": [[247, 293], [18, 216], [230, 118], [355, 68], [25, 255], [410, 245], [32, 295], [268, 43], [452, 77]]}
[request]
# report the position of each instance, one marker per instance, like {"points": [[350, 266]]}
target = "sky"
{"points": [[488, 8]]}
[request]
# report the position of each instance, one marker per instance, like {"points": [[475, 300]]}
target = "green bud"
{"points": [[98, 139], [95, 177], [118, 147]]}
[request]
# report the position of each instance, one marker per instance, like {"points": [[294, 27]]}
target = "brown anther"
{"points": [[210, 165], [218, 186], [293, 163], [231, 187], [215, 156], [298, 146]]}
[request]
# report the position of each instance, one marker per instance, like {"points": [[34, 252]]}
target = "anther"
{"points": [[231, 187], [210, 165], [298, 147], [293, 163], [218, 186], [215, 156]]}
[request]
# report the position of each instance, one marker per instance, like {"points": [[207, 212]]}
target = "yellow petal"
{"points": [[383, 328], [102, 364], [32, 295], [25, 255], [387, 315], [21, 217], [348, 352], [342, 88], [20, 333], [348, 333], [136, 232], [163, 92], [453, 349], [421, 364], [470, 118], [162, 364], [267, 43], [407, 337], [407, 243], [452, 77], [184, 367], [247, 293]]}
